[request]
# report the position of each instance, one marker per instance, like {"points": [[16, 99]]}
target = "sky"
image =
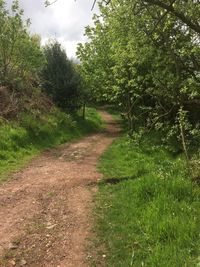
{"points": [[64, 20]]}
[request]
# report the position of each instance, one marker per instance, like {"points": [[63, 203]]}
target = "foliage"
{"points": [[20, 54], [61, 79], [25, 139], [22, 60], [144, 58], [149, 215]]}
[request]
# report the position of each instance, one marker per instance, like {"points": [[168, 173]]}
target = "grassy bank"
{"points": [[19, 142], [147, 211]]}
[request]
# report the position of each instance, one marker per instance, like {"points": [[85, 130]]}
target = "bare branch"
{"points": [[48, 3], [94, 3]]}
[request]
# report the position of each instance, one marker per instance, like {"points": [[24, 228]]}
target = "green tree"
{"points": [[145, 58], [20, 56], [60, 78], [185, 11]]}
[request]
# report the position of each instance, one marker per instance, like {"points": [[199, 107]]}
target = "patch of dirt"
{"points": [[45, 210]]}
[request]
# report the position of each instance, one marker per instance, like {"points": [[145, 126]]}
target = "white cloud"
{"points": [[65, 20]]}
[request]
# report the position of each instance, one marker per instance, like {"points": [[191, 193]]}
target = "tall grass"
{"points": [[149, 216], [19, 142]]}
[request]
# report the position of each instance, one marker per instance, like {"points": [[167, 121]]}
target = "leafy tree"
{"points": [[145, 57], [61, 80], [20, 56], [185, 11]]}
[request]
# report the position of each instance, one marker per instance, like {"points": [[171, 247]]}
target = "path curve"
{"points": [[45, 209]]}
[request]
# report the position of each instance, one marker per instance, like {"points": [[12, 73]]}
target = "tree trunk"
{"points": [[83, 114]]}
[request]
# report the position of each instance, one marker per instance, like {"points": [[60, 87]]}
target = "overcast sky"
{"points": [[65, 20]]}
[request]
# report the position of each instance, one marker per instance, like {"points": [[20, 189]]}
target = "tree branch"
{"points": [[180, 15], [188, 21], [94, 3]]}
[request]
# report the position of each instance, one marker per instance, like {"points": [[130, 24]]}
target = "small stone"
{"points": [[23, 262], [12, 246], [12, 262], [89, 256], [51, 226], [104, 256]]}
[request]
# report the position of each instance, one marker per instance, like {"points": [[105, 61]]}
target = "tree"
{"points": [[60, 79], [146, 60], [186, 11], [20, 56]]}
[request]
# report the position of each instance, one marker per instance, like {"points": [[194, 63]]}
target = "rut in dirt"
{"points": [[45, 209]]}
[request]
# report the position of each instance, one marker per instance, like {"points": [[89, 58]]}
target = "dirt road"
{"points": [[45, 210]]}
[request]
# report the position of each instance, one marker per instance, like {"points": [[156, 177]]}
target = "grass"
{"points": [[149, 216], [21, 141]]}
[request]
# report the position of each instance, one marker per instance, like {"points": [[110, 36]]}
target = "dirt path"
{"points": [[45, 209]]}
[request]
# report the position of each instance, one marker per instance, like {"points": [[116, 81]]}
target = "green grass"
{"points": [[150, 216], [19, 142]]}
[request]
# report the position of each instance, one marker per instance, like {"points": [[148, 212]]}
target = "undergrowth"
{"points": [[20, 141], [147, 209]]}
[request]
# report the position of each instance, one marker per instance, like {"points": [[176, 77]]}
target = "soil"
{"points": [[45, 209]]}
